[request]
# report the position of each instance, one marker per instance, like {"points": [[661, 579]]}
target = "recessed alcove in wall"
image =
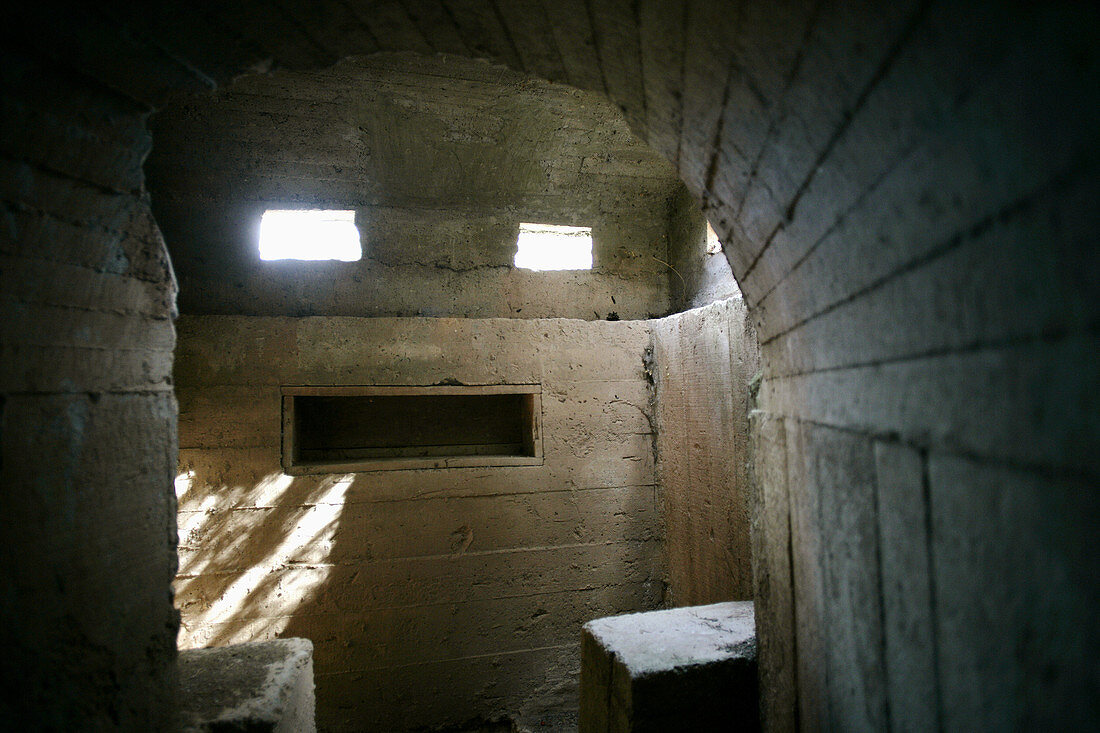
{"points": [[374, 428]]}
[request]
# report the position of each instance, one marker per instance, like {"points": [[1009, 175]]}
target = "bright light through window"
{"points": [[309, 234], [550, 247], [713, 245]]}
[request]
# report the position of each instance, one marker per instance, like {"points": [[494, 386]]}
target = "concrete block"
{"points": [[773, 587], [1043, 396], [1014, 569], [259, 686], [806, 579], [980, 287], [684, 669], [906, 588], [841, 476], [80, 605]]}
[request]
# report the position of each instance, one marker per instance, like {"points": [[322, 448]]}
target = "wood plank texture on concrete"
{"points": [[416, 569]]}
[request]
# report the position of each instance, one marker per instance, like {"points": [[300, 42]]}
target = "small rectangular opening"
{"points": [[553, 247], [714, 246], [309, 234], [347, 429]]}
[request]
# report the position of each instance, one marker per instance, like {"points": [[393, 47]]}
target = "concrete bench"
{"points": [[257, 687], [684, 669]]}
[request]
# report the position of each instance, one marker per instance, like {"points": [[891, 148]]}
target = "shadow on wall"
{"points": [[237, 544], [408, 628]]}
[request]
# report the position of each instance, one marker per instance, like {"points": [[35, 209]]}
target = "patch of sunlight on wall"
{"points": [[258, 601], [713, 245], [309, 234], [552, 247]]}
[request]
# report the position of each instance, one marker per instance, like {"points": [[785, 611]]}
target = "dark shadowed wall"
{"points": [[87, 415]]}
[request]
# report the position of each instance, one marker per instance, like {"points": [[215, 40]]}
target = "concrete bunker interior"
{"points": [[474, 458], [905, 193]]}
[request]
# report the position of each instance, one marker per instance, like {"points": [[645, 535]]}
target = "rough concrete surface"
{"points": [[87, 416], [256, 686], [704, 360], [432, 596], [442, 158], [684, 669]]}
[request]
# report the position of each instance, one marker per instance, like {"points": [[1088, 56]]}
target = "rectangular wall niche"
{"points": [[347, 429]]}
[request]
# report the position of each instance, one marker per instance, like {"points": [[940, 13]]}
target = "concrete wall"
{"points": [[704, 360], [442, 158], [87, 416], [912, 259], [432, 596]]}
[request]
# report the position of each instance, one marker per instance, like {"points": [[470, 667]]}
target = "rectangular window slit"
{"points": [[553, 247], [343, 429], [309, 234]]}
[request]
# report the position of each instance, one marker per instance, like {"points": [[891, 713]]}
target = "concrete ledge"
{"points": [[256, 687], [685, 669]]}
